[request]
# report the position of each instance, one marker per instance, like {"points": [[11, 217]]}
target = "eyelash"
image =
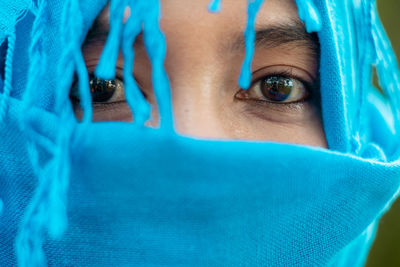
{"points": [[75, 100], [111, 104], [287, 73]]}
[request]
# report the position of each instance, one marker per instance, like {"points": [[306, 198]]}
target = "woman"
{"points": [[177, 192]]}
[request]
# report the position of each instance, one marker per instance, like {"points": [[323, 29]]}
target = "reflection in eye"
{"points": [[276, 89], [101, 90]]}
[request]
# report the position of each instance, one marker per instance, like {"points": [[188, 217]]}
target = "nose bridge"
{"points": [[194, 108], [194, 79], [195, 71]]}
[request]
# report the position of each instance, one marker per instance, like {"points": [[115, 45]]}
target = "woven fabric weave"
{"points": [[150, 197]]}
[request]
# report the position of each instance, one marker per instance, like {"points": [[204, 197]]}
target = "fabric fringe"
{"points": [[310, 15], [46, 212], [253, 6], [72, 60], [37, 57], [138, 104], [214, 6], [108, 60], [145, 17], [155, 43], [29, 240], [7, 88]]}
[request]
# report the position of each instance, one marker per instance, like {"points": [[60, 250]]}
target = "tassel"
{"points": [[108, 60], [47, 208], [7, 88], [310, 15], [253, 7], [139, 106], [156, 47], [214, 6], [28, 243]]}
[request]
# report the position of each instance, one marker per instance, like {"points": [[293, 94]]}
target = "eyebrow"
{"points": [[99, 31], [291, 33]]}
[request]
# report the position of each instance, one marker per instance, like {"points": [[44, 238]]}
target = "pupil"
{"points": [[277, 88], [102, 90]]}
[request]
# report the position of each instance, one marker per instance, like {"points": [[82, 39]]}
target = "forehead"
{"points": [[233, 15], [234, 11], [190, 27]]}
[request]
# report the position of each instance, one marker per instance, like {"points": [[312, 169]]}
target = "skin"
{"points": [[204, 58]]}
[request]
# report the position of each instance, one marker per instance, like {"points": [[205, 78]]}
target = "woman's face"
{"points": [[204, 57]]}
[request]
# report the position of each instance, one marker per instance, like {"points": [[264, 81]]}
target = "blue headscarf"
{"points": [[94, 194]]}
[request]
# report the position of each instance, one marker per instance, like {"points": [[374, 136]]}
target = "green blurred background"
{"points": [[386, 248]]}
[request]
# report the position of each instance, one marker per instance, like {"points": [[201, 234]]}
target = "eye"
{"points": [[276, 89], [101, 90]]}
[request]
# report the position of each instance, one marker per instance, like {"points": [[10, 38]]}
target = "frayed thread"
{"points": [[108, 60], [215, 6], [29, 240], [253, 6], [46, 212], [156, 47], [145, 18], [37, 58], [7, 88], [139, 106], [71, 60], [310, 15]]}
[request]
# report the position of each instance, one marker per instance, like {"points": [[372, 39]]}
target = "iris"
{"points": [[277, 88], [102, 90]]}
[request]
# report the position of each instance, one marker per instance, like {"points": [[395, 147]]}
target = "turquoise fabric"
{"points": [[121, 194]]}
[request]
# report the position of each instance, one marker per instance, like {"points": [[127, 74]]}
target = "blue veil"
{"points": [[151, 197]]}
